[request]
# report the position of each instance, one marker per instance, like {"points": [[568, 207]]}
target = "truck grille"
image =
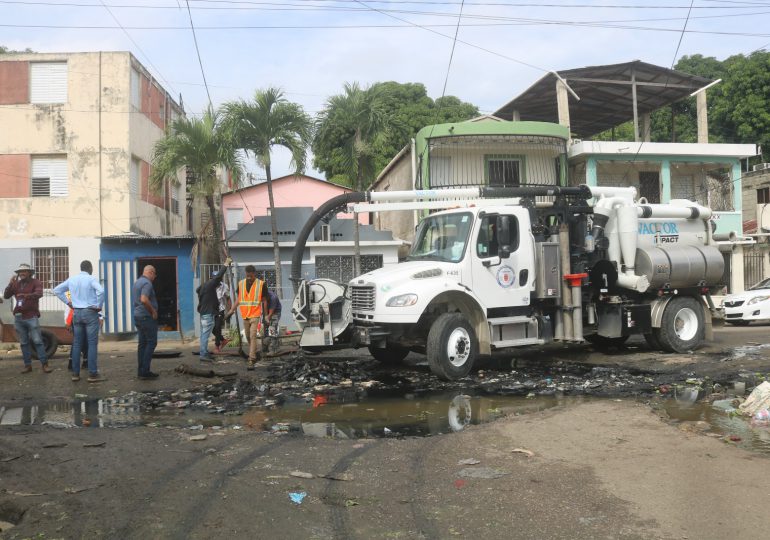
{"points": [[362, 298]]}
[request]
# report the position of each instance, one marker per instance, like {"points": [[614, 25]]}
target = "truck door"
{"points": [[502, 281]]}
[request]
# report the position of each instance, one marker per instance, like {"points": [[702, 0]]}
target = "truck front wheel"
{"points": [[452, 346], [390, 354], [682, 326]]}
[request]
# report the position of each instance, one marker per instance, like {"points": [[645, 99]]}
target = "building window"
{"points": [[340, 267], [48, 82], [51, 265], [763, 196], [49, 177], [133, 175], [503, 171], [136, 91], [233, 217], [440, 171], [175, 198]]}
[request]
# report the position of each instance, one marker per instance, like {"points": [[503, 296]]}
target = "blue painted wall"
{"points": [[132, 250]]}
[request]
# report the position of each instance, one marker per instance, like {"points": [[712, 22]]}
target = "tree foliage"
{"points": [[738, 107], [200, 146], [408, 109], [257, 126]]}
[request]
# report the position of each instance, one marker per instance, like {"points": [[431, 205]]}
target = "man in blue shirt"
{"points": [[86, 299], [145, 306]]}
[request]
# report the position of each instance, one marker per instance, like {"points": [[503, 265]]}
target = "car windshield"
{"points": [[442, 238], [764, 284]]}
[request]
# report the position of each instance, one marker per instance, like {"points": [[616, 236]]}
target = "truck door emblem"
{"points": [[506, 277]]}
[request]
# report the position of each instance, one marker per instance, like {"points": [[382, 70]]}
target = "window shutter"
{"points": [[49, 177], [48, 82], [133, 175]]}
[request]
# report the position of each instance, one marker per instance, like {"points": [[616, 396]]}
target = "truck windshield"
{"points": [[442, 238]]}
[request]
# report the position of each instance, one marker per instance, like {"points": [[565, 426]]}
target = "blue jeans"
{"points": [[29, 331], [85, 323], [207, 324], [147, 329]]}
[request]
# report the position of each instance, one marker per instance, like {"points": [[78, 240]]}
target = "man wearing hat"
{"points": [[27, 291]]}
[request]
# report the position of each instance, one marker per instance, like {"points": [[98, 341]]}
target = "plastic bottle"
{"points": [[589, 243]]}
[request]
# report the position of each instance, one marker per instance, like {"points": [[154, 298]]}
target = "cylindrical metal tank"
{"points": [[680, 265]]}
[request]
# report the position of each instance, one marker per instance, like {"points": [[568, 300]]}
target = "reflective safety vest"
{"points": [[251, 300]]}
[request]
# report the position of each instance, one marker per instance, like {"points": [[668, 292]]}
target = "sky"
{"points": [[311, 48]]}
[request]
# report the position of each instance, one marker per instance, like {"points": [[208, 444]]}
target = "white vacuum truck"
{"points": [[513, 267]]}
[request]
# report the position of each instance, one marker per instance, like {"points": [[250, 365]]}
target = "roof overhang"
{"points": [[606, 95], [636, 149]]}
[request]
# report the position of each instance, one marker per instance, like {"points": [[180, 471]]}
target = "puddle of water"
{"points": [[685, 407], [748, 350], [339, 415]]}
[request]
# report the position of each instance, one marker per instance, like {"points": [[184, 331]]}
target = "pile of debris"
{"points": [[300, 372]]}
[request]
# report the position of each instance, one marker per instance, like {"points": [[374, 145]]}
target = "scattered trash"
{"points": [[198, 372], [86, 422], [55, 445], [297, 497], [762, 415], [95, 445], [73, 490], [341, 477], [10, 458], [459, 483], [528, 453], [468, 461], [351, 502], [387, 431], [81, 395], [301, 474], [485, 473], [727, 406], [734, 438], [198, 437], [757, 400]]}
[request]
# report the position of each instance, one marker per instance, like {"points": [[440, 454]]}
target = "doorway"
{"points": [[649, 186], [166, 290]]}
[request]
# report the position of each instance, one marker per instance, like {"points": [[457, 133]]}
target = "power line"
{"points": [[197, 50], [137, 46]]}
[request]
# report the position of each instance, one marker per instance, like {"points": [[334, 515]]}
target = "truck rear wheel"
{"points": [[682, 326], [50, 344], [390, 354], [452, 346]]}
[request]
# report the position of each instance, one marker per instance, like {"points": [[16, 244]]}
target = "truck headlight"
{"points": [[757, 299], [402, 300]]}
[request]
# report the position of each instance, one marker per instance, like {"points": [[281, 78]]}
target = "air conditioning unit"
{"points": [[761, 167], [326, 234]]}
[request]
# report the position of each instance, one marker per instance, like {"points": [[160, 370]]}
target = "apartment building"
{"points": [[76, 138]]}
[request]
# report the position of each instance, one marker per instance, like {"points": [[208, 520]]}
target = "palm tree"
{"points": [[362, 112], [201, 146], [270, 120]]}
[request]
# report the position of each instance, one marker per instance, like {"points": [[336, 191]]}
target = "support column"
{"points": [[703, 118], [665, 181], [515, 116], [562, 103], [646, 124], [736, 182], [636, 111], [591, 179]]}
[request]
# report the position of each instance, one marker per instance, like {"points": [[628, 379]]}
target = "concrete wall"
{"points": [[752, 181], [93, 130], [401, 223]]}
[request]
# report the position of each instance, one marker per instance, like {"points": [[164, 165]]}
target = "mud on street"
{"points": [[563, 443]]}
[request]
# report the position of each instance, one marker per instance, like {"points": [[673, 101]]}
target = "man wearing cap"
{"points": [[86, 299], [27, 292]]}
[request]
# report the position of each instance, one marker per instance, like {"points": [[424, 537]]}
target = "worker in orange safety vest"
{"points": [[252, 302]]}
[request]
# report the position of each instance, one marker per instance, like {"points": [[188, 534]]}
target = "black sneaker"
{"points": [[149, 376]]}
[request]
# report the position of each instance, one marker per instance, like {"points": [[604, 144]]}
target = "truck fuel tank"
{"points": [[672, 266]]}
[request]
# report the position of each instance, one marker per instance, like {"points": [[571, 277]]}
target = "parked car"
{"points": [[750, 305]]}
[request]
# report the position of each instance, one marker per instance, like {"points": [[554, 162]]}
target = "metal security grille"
{"points": [[362, 298], [752, 266], [494, 160], [51, 265], [340, 267]]}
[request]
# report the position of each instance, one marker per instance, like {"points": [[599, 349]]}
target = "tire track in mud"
{"points": [[198, 507], [338, 513], [424, 525], [153, 491]]}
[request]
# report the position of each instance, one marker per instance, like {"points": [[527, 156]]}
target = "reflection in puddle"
{"points": [[721, 419], [338, 415]]}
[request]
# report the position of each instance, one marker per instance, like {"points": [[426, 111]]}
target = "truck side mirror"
{"points": [[503, 225]]}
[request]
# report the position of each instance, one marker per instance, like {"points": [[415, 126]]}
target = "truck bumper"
{"points": [[363, 336]]}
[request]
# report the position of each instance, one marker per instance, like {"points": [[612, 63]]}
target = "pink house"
{"points": [[242, 205]]}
